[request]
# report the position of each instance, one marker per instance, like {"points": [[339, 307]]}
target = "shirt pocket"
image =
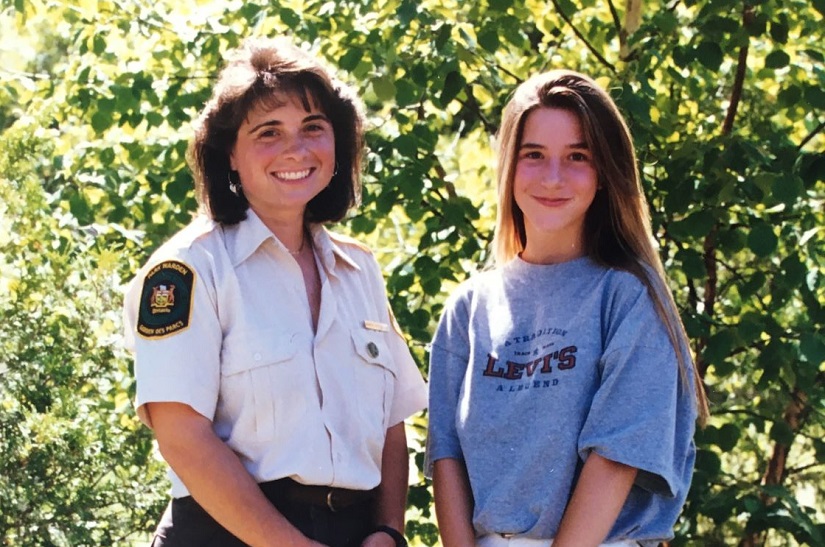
{"points": [[376, 378], [260, 376]]}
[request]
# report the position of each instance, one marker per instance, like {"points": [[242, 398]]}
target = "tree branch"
{"points": [[802, 468], [711, 286], [777, 471], [616, 21], [810, 136], [739, 80], [581, 37], [632, 21], [473, 105], [744, 411]]}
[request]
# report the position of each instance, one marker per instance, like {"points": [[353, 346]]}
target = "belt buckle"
{"points": [[330, 502], [507, 535]]}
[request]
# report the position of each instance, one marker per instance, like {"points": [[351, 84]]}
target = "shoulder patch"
{"points": [[166, 300]]}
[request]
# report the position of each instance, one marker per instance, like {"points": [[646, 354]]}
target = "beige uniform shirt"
{"points": [[218, 319]]}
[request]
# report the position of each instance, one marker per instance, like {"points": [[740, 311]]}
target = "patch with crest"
{"points": [[166, 300]]}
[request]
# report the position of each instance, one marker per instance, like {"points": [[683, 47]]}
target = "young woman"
{"points": [[562, 394], [266, 357]]}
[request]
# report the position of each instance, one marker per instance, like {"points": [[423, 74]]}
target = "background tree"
{"points": [[726, 101]]}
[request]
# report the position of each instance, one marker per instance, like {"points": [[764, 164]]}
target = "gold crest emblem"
{"points": [[163, 299]]}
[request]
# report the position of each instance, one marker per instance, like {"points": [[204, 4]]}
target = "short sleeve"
{"points": [[642, 413], [409, 391], [449, 358], [173, 329]]}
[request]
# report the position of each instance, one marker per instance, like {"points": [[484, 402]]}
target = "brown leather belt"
{"points": [[334, 499]]}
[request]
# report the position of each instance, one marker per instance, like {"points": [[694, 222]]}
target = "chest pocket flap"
{"points": [[372, 348], [258, 349]]}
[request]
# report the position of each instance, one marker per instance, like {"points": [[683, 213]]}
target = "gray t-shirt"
{"points": [[532, 367]]}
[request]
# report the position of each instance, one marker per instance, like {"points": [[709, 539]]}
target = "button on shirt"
{"points": [[314, 406]]}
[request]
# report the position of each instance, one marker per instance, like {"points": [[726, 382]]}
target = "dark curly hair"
{"points": [[260, 73]]}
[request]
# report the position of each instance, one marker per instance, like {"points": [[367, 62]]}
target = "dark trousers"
{"points": [[186, 524]]}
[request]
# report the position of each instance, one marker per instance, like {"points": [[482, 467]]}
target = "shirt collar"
{"points": [[244, 238], [329, 251]]}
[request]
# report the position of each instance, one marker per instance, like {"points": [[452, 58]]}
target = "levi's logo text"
{"points": [[533, 367], [166, 300]]}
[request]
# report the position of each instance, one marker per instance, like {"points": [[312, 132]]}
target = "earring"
{"points": [[336, 169], [234, 187]]}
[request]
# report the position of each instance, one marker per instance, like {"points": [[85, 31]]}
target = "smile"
{"points": [[292, 175], [551, 201]]}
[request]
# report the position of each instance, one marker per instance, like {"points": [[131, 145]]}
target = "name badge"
{"points": [[378, 327]]}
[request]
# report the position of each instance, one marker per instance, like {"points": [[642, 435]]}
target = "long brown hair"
{"points": [[617, 230]]}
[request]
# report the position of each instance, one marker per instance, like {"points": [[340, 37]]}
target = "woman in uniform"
{"points": [[268, 362]]}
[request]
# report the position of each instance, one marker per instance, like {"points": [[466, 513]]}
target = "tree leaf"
{"points": [[290, 17], [406, 93], [728, 437], [709, 54], [779, 32], [777, 59], [351, 58], [719, 346], [708, 461], [453, 84], [750, 327], [731, 240], [692, 263], [789, 96], [699, 223], [762, 240], [794, 270], [782, 433], [101, 121], [500, 5], [384, 88], [787, 189], [815, 96], [812, 346], [488, 38]]}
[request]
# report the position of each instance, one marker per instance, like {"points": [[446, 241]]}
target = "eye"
{"points": [[315, 127], [268, 133], [579, 156], [532, 155]]}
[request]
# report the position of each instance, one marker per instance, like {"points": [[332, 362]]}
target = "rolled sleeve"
{"points": [[449, 357], [633, 418]]}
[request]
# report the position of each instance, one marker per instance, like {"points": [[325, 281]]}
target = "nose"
{"points": [[552, 172], [296, 147]]}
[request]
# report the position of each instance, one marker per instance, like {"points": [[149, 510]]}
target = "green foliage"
{"points": [[76, 466], [726, 104]]}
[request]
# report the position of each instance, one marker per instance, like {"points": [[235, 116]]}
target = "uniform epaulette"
{"points": [[200, 226], [347, 240]]}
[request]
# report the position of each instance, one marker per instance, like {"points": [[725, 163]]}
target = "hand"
{"points": [[378, 539]]}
